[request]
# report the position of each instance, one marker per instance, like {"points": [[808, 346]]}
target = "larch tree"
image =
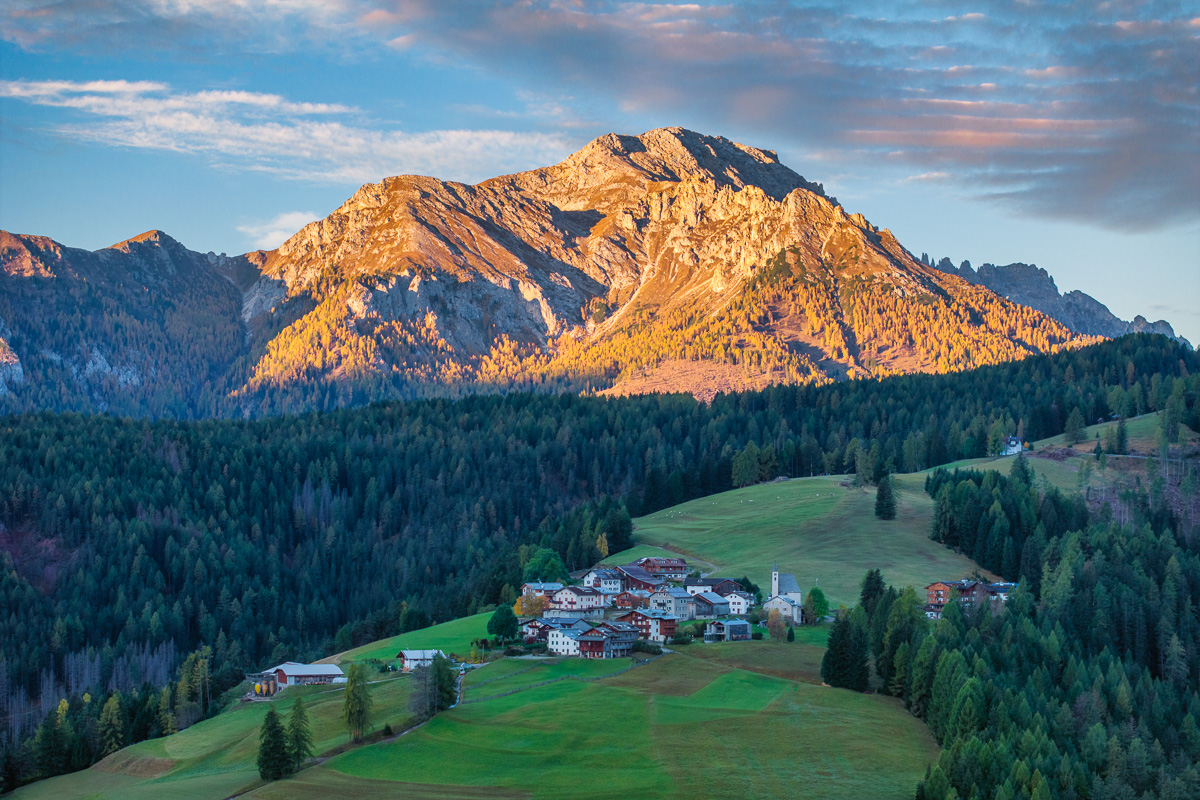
{"points": [[111, 727], [775, 625], [356, 710]]}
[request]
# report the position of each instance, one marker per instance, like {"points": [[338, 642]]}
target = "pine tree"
{"points": [[885, 499], [791, 634], [357, 708], [112, 726], [273, 759]]}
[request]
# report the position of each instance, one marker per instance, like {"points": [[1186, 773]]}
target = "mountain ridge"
{"points": [[633, 254]]}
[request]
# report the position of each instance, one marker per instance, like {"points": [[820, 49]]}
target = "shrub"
{"points": [[647, 647], [756, 635]]}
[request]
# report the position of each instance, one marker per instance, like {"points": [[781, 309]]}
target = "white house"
{"points": [[602, 578], [740, 603], [788, 608], [577, 598], [1012, 446], [564, 642], [418, 658], [291, 673]]}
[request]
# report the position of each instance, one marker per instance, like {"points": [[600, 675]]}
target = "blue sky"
{"points": [[1065, 134]]}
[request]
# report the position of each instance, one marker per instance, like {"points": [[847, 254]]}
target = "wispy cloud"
{"points": [[1070, 110], [270, 133], [271, 233]]}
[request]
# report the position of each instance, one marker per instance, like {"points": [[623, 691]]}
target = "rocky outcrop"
{"points": [[1032, 286], [668, 248]]}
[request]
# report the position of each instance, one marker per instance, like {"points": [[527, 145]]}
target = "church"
{"points": [[786, 596]]}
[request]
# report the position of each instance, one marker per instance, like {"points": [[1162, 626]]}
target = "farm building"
{"points": [[291, 673], [710, 605], [417, 658], [727, 630]]}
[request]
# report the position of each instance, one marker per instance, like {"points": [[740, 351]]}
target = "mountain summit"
{"points": [[666, 261]]}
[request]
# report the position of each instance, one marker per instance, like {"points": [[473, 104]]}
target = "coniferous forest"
{"points": [[155, 561]]}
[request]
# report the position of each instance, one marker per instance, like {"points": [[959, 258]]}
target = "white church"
{"points": [[786, 596]]}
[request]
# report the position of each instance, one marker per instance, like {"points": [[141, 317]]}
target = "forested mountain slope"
{"points": [[129, 544], [636, 256]]}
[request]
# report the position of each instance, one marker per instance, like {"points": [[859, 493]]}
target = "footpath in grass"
{"points": [[663, 729], [824, 533]]}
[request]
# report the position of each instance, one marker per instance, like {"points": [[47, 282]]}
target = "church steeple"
{"points": [[775, 579]]}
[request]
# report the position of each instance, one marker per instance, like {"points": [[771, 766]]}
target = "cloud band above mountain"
{"points": [[1072, 110]]}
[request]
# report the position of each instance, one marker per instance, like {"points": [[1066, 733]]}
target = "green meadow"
{"points": [[823, 532], [658, 730], [449, 637]]}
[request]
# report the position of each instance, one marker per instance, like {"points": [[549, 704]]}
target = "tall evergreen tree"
{"points": [[299, 737], [273, 760], [873, 588], [833, 664], [885, 499], [858, 653], [503, 623], [356, 710]]}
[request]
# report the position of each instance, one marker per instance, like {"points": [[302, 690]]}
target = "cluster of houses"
{"points": [[613, 607], [973, 592]]}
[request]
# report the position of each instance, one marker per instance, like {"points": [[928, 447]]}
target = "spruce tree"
{"points": [[357, 708], [833, 665], [858, 654], [273, 760], [50, 751], [299, 737], [791, 634], [885, 499]]}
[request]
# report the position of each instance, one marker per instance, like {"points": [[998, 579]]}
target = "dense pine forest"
{"points": [[1083, 685], [144, 553]]}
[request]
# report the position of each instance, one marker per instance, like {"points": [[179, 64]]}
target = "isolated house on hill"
{"points": [[411, 659]]}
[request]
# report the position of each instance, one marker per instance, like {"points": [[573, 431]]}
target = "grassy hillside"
{"points": [[645, 732], [451, 637], [824, 533], [216, 758]]}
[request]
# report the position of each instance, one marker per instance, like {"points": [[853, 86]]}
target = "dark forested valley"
{"points": [[160, 559]]}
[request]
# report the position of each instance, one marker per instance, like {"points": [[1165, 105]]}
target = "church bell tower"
{"points": [[775, 580]]}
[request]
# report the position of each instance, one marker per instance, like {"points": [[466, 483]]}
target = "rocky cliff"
{"points": [[670, 260], [1032, 286]]}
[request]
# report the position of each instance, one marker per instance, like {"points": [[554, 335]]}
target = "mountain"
{"points": [[666, 261], [1032, 286]]}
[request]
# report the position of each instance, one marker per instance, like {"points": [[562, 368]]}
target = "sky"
{"points": [[1065, 134]]}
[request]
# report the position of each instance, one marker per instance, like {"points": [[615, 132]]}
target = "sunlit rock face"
{"points": [[634, 255]]}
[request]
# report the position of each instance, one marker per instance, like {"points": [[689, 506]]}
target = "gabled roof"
{"points": [[788, 584], [639, 574], [781, 599], [580, 590], [707, 581], [711, 598], [419, 655], [739, 593], [674, 591], [543, 587], [300, 670]]}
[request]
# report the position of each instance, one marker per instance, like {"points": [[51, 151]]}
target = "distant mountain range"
{"points": [[667, 261], [1032, 286]]}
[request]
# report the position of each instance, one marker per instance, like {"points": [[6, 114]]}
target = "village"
{"points": [[611, 611]]}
